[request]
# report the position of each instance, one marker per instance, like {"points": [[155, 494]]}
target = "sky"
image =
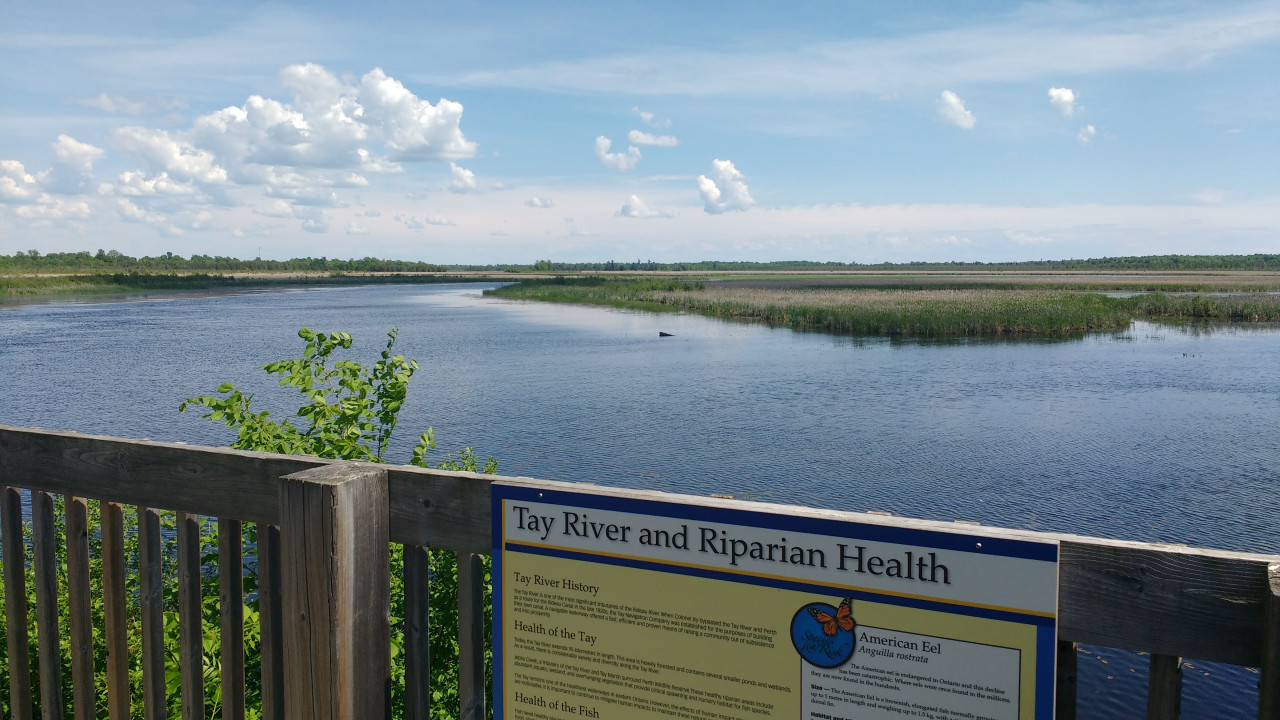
{"points": [[507, 132]]}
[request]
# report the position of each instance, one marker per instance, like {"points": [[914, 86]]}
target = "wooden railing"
{"points": [[323, 534]]}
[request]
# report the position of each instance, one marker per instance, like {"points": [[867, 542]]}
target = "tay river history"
{"points": [[1158, 433]]}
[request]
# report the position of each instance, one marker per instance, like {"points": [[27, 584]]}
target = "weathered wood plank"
{"points": [[1162, 600], [1164, 688], [207, 481], [471, 692], [1269, 687], [271, 622], [441, 509], [15, 606], [154, 703], [115, 609], [417, 647], [231, 614], [334, 561], [45, 560], [83, 692], [1065, 687], [190, 622]]}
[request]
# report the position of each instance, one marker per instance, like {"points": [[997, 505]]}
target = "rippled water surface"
{"points": [[1157, 434]]}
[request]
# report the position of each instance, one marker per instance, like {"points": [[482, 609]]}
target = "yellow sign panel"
{"points": [[634, 609]]}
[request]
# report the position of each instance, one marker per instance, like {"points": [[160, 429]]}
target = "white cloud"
{"points": [[539, 202], [952, 109], [355, 228], [617, 161], [1064, 99], [725, 189], [72, 171], [131, 104], [439, 220], [134, 183], [651, 120], [172, 154], [411, 127], [636, 137], [1086, 134], [16, 185], [634, 207], [462, 180]]}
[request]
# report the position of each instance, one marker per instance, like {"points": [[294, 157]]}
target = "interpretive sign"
{"points": [[650, 607]]}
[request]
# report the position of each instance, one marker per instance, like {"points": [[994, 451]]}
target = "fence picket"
{"points": [[417, 648], [115, 610], [154, 702], [190, 620], [471, 691], [83, 692], [45, 560], [231, 612], [15, 606]]}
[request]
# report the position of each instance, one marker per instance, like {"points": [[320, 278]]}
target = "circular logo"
{"points": [[824, 635]]}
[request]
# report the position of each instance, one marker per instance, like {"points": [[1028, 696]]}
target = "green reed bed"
{"points": [[981, 311]]}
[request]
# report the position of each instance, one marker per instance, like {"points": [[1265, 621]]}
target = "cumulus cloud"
{"points": [[1086, 134], [617, 161], [461, 180], [1064, 99], [16, 184], [636, 137], [164, 152], [725, 189], [634, 207], [539, 202], [952, 109], [439, 220], [72, 171], [355, 228]]}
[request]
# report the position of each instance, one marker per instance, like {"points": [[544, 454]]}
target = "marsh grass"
{"points": [[934, 312]]}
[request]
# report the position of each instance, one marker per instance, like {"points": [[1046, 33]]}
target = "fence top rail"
{"points": [[1163, 598]]}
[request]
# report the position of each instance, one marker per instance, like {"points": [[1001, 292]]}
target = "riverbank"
{"points": [[927, 306], [29, 286]]}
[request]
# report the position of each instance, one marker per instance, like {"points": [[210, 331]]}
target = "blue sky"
{"points": [[486, 132]]}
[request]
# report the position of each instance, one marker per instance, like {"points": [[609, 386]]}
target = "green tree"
{"points": [[350, 412]]}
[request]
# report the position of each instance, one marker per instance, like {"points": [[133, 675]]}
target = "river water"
{"points": [[1157, 433]]}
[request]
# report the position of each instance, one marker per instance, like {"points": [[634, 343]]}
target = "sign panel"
{"points": [[609, 607]]}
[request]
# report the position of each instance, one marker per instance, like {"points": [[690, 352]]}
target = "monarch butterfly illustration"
{"points": [[843, 619]]}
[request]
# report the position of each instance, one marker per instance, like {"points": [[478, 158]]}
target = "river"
{"points": [[1156, 433]]}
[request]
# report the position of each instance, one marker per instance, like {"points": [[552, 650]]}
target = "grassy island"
{"points": [[929, 306]]}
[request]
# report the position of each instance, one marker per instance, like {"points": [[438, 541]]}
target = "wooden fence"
{"points": [[324, 529]]}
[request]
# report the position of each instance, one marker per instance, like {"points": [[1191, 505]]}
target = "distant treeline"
{"points": [[112, 261], [1148, 262]]}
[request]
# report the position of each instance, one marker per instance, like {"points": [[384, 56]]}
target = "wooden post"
{"points": [[336, 592], [1164, 688], [1269, 687]]}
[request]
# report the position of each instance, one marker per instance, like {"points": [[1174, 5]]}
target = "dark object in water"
{"points": [[664, 334]]}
